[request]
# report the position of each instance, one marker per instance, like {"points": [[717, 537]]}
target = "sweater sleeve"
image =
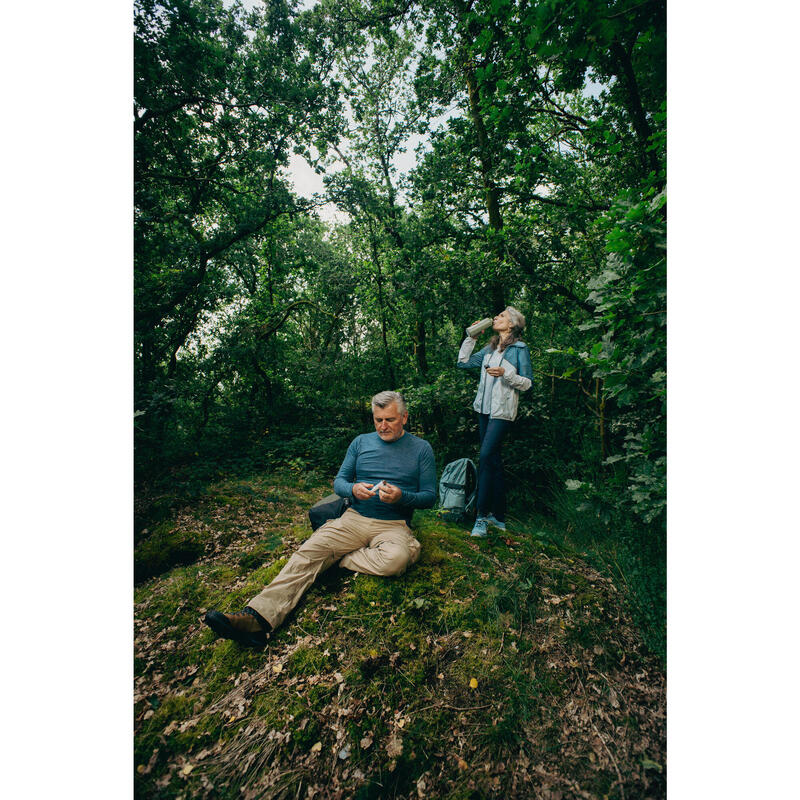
{"points": [[466, 358], [426, 496], [345, 477]]}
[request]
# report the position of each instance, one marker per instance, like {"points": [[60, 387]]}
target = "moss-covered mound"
{"points": [[498, 668]]}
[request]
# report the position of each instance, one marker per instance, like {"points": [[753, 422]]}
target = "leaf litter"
{"points": [[453, 690]]}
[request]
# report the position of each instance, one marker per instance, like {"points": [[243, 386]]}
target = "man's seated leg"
{"points": [[389, 553], [321, 550]]}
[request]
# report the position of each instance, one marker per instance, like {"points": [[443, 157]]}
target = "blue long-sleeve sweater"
{"points": [[407, 462]]}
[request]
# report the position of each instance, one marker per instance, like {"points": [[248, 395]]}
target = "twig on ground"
{"points": [[450, 708]]}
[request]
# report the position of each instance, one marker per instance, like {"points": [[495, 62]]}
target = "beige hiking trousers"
{"points": [[371, 546]]}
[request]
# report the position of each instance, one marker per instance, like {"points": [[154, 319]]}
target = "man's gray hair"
{"points": [[383, 399], [516, 317]]}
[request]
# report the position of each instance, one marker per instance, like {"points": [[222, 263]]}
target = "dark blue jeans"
{"points": [[491, 484]]}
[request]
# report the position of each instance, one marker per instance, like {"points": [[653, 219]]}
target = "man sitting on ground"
{"points": [[387, 474]]}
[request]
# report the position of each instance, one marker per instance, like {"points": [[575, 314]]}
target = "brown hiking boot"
{"points": [[247, 627]]}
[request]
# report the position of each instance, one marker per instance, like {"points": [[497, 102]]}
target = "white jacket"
{"points": [[516, 377]]}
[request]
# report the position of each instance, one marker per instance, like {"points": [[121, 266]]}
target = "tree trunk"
{"points": [[419, 346], [635, 109], [379, 277], [491, 192]]}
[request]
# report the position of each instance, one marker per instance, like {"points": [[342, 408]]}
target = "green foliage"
{"points": [[630, 357]]}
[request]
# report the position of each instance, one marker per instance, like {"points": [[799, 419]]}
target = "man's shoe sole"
{"points": [[218, 623]]}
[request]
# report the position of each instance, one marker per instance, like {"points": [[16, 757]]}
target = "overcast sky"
{"points": [[307, 183]]}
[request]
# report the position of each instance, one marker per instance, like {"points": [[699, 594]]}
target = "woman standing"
{"points": [[505, 372]]}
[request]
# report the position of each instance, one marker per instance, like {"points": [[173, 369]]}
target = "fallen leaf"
{"points": [[366, 742], [187, 769], [315, 748], [395, 747], [462, 765]]}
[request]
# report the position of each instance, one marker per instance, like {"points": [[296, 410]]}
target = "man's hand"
{"points": [[362, 491], [389, 493], [496, 372]]}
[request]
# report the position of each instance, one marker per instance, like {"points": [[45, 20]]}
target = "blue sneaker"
{"points": [[494, 522], [480, 529]]}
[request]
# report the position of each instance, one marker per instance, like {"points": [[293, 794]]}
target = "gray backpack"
{"points": [[458, 489]]}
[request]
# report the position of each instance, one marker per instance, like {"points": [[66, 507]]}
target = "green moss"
{"points": [[257, 555], [209, 728], [301, 531], [226, 662], [588, 599], [368, 589], [149, 735], [431, 552], [305, 738], [273, 707], [165, 547], [319, 694], [225, 500], [308, 661]]}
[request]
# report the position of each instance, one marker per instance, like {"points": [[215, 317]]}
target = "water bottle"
{"points": [[475, 329]]}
